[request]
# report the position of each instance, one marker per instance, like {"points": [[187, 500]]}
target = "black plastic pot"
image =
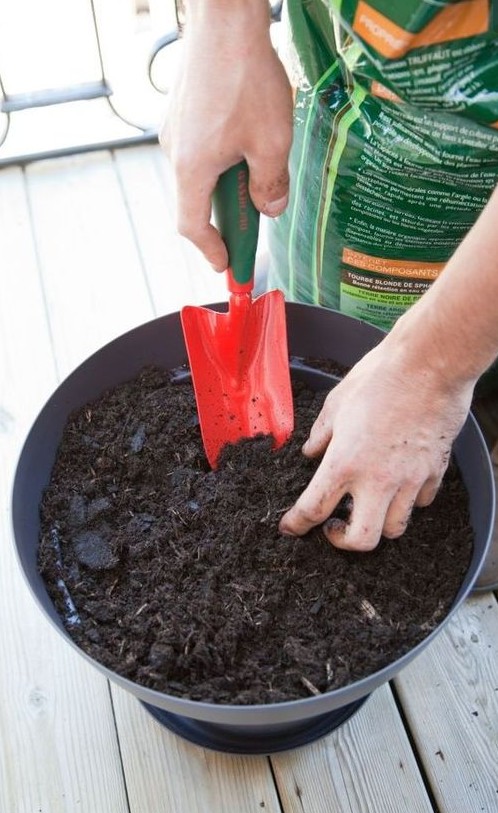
{"points": [[313, 332]]}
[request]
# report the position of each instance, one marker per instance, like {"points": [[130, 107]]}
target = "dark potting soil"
{"points": [[176, 577]]}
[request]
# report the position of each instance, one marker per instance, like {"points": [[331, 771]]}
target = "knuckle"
{"points": [[413, 482], [330, 397], [185, 162], [275, 149], [192, 231], [312, 514], [185, 229], [344, 474], [180, 158], [278, 142]]}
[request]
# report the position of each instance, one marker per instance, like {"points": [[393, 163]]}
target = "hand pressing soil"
{"points": [[176, 577]]}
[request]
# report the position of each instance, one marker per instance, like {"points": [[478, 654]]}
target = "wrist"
{"points": [[422, 342], [453, 328]]}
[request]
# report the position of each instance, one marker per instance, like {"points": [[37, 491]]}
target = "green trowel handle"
{"points": [[238, 221]]}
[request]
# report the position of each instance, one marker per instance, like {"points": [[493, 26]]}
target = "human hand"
{"points": [[385, 433], [232, 100]]}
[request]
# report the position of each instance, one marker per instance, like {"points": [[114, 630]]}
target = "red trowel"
{"points": [[239, 359]]}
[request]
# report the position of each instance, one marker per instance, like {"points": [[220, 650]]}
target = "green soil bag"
{"points": [[395, 148]]}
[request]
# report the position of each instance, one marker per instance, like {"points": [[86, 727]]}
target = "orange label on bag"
{"points": [[380, 90], [468, 18], [414, 269]]}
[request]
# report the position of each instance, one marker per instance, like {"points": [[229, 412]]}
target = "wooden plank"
{"points": [[177, 273], [91, 267], [450, 697], [166, 774], [27, 365], [366, 765], [58, 745]]}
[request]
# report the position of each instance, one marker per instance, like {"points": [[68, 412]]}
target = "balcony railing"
{"points": [[82, 75]]}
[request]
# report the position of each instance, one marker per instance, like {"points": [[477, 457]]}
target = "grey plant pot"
{"points": [[312, 332]]}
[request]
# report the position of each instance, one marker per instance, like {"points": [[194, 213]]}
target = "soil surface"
{"points": [[176, 576]]}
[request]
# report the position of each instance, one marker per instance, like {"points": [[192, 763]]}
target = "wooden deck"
{"points": [[87, 251]]}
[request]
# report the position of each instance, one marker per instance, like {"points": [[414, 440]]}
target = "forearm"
{"points": [[233, 7], [230, 16], [227, 31], [454, 326]]}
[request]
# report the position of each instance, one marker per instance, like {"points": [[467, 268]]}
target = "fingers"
{"points": [[320, 434], [401, 507], [428, 491], [374, 514], [193, 217], [399, 512], [317, 501], [269, 190], [362, 531], [378, 509]]}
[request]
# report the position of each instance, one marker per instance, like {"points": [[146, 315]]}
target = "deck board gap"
{"points": [[275, 782], [120, 751]]}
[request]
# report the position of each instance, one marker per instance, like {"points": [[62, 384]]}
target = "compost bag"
{"points": [[395, 148]]}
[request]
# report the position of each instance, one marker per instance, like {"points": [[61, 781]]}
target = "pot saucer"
{"points": [[254, 740]]}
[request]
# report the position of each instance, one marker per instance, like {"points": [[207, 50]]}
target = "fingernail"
{"points": [[276, 207], [305, 447]]}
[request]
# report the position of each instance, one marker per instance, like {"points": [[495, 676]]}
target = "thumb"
{"points": [[269, 184]]}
